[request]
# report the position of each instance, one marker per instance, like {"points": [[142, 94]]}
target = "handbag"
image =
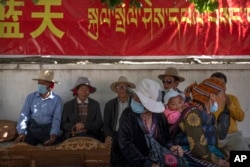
{"points": [[159, 154], [8, 130]]}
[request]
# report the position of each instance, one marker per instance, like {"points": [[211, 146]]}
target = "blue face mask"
{"points": [[42, 89], [137, 107], [214, 107]]}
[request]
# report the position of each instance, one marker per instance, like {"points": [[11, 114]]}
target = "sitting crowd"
{"points": [[143, 124]]}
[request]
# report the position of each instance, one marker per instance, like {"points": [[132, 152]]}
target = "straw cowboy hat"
{"points": [[171, 71], [149, 93], [121, 79], [46, 75], [84, 81]]}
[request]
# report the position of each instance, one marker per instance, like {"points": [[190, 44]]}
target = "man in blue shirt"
{"points": [[40, 117]]}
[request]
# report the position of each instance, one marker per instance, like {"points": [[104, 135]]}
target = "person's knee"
{"points": [[238, 143]]}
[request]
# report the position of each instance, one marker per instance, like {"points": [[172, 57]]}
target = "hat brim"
{"points": [[91, 88], [36, 79], [151, 105], [113, 85], [174, 95], [161, 77]]}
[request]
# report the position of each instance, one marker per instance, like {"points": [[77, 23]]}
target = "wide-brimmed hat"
{"points": [[46, 75], [172, 93], [121, 79], [171, 71], [149, 93], [84, 81]]}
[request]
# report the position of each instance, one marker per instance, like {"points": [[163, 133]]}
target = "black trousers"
{"points": [[37, 133], [116, 157]]}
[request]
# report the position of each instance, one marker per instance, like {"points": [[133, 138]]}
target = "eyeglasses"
{"points": [[121, 87], [167, 81]]}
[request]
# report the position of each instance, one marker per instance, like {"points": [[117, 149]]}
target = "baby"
{"points": [[174, 104]]}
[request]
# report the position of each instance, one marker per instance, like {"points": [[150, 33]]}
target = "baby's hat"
{"points": [[172, 93]]}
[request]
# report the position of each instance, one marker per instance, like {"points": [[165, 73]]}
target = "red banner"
{"points": [[88, 28]]}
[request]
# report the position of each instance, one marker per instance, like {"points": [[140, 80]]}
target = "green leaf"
{"points": [[3, 2], [200, 5], [35, 1]]}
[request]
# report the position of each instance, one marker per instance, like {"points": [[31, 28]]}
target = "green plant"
{"points": [[200, 5], [3, 2], [205, 5], [114, 3]]}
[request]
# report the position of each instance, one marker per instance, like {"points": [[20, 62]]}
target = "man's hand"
{"points": [[155, 165], [108, 140], [177, 150], [20, 138], [50, 141], [80, 127]]}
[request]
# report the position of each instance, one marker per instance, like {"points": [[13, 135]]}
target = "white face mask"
{"points": [[137, 107], [42, 89], [214, 107]]}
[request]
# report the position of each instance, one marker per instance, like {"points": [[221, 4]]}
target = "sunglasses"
{"points": [[168, 81], [121, 87]]}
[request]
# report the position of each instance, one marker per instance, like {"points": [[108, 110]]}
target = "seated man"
{"points": [[114, 107], [40, 117], [232, 139], [170, 80], [82, 115]]}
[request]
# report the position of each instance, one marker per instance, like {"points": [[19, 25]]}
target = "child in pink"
{"points": [[174, 104]]}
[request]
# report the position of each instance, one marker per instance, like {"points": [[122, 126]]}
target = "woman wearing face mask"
{"points": [[141, 127], [196, 131]]}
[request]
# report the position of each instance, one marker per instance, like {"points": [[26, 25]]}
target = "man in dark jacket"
{"points": [[82, 115], [114, 107]]}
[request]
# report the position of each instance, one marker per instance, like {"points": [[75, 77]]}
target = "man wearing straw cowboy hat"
{"points": [[40, 117], [170, 80], [114, 107]]}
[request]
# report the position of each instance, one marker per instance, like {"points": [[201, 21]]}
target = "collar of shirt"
{"points": [[119, 101], [51, 95], [166, 91], [85, 101], [121, 107]]}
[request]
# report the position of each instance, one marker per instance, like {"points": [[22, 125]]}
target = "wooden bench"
{"points": [[74, 152]]}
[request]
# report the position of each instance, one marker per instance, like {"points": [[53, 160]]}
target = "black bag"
{"points": [[163, 156], [223, 123]]}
